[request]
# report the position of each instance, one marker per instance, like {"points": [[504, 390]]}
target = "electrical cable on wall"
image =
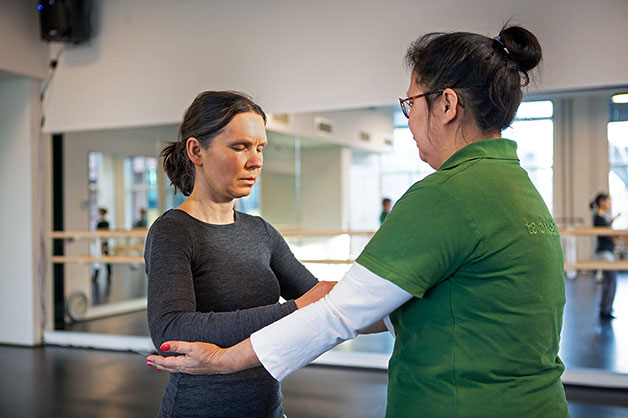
{"points": [[44, 88]]}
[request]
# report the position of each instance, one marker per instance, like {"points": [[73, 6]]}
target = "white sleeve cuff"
{"points": [[360, 299]]}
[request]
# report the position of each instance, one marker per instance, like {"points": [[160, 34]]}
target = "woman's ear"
{"points": [[193, 148], [449, 105]]}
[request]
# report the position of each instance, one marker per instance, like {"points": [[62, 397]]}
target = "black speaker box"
{"points": [[65, 20]]}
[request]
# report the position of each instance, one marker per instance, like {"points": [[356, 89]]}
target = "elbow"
{"points": [[161, 330], [157, 335]]}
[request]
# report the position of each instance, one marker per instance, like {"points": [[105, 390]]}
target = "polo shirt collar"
{"points": [[496, 148]]}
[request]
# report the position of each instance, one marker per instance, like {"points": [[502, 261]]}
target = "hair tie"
{"points": [[499, 41]]}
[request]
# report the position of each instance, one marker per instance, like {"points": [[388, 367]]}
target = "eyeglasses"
{"points": [[406, 104]]}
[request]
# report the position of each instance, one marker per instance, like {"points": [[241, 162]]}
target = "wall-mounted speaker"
{"points": [[65, 20]]}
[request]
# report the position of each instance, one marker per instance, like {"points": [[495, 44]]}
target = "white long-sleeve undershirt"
{"points": [[359, 300]]}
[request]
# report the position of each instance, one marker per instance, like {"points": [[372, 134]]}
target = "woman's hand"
{"points": [[196, 358], [317, 292], [204, 358]]}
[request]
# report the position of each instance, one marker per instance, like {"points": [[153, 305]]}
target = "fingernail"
{"points": [[148, 364], [165, 347]]}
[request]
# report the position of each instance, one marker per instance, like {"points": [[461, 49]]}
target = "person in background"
{"points": [[103, 225], [469, 262], [385, 209], [142, 222], [605, 250]]}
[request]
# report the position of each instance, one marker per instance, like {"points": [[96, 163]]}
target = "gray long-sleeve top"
{"points": [[219, 284]]}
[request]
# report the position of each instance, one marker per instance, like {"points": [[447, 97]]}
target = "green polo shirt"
{"points": [[477, 247]]}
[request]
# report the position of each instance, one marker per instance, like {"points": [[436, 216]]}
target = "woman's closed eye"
{"points": [[245, 146]]}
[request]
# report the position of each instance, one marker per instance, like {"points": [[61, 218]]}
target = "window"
{"points": [[102, 188], [94, 167], [401, 167], [533, 130], [618, 159], [141, 194]]}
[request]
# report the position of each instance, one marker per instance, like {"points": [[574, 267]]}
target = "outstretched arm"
{"points": [[200, 358], [172, 294], [360, 299]]}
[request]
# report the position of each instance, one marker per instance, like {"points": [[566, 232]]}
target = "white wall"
{"points": [[22, 53], [581, 163], [365, 202], [149, 58], [325, 187], [21, 50], [280, 202], [20, 220], [347, 127]]}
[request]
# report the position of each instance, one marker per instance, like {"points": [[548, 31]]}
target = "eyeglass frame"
{"points": [[409, 101]]}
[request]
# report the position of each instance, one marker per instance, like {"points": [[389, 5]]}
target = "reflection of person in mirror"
{"points": [[142, 222], [476, 296], [605, 250], [103, 224], [385, 209], [216, 274]]}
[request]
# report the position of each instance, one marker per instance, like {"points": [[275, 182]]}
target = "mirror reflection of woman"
{"points": [[468, 262], [216, 274], [605, 250]]}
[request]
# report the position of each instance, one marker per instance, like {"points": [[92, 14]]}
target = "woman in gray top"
{"points": [[216, 274]]}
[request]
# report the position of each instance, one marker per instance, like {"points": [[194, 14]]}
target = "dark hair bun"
{"points": [[523, 47]]}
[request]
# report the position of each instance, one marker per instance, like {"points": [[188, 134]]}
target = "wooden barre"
{"points": [[111, 259], [141, 233], [322, 233], [118, 259], [593, 231], [597, 265], [128, 259], [122, 233], [138, 247], [327, 261]]}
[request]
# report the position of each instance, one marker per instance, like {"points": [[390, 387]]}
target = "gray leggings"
{"points": [[609, 283]]}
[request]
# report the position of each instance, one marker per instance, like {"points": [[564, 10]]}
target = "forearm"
{"points": [[239, 357], [377, 327], [359, 300], [221, 328]]}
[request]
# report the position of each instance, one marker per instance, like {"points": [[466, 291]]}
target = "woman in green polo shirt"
{"points": [[468, 263]]}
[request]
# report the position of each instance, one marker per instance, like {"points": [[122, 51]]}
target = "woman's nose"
{"points": [[256, 160]]}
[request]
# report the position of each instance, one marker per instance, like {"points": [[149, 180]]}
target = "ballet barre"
{"points": [[573, 265]]}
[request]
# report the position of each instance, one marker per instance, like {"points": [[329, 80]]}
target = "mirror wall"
{"points": [[328, 172]]}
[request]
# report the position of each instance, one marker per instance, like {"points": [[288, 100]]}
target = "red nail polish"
{"points": [[165, 347], [148, 364]]}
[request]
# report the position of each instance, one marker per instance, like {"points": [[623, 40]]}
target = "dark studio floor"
{"points": [[54, 381], [77, 383]]}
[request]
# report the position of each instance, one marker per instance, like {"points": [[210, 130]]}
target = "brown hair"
{"points": [[208, 114]]}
